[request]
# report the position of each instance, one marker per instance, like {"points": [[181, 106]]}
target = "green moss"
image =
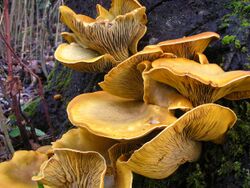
{"points": [[31, 108], [231, 39], [196, 178], [228, 39], [244, 49], [237, 44], [245, 23], [59, 80]]}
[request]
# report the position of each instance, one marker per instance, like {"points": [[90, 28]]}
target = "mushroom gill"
{"points": [[200, 83], [188, 47], [125, 80], [105, 41], [179, 142], [73, 168], [128, 80]]}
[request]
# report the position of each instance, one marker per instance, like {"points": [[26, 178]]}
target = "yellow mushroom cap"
{"points": [[178, 143], [82, 140], [200, 83], [125, 80], [73, 168], [128, 80], [188, 47], [17, 172], [113, 117], [116, 38], [160, 94], [118, 7], [69, 37], [82, 59], [121, 7]]}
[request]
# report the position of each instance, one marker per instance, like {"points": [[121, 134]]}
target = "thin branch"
{"points": [[40, 86]]}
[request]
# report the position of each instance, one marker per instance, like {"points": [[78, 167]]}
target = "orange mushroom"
{"points": [[190, 47], [113, 117], [200, 83], [17, 172], [101, 43], [73, 168], [178, 143]]}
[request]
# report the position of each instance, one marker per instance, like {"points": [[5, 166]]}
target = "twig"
{"points": [[40, 86], [15, 106]]}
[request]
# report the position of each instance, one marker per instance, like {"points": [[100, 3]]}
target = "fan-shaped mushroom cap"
{"points": [[73, 168], [121, 7], [82, 140], [187, 47], [128, 80], [118, 7], [178, 143], [114, 117], [116, 37], [160, 94], [125, 80], [83, 59], [17, 172], [200, 83], [69, 37]]}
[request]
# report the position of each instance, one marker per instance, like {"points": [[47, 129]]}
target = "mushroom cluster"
{"points": [[101, 43], [155, 109]]}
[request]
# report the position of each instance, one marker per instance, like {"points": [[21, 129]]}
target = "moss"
{"points": [[196, 178], [231, 39], [237, 44], [228, 39], [31, 108], [234, 26], [244, 49], [245, 23], [59, 79]]}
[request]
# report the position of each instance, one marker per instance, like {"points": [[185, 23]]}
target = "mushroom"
{"points": [[113, 117], [128, 80], [200, 83], [123, 177], [118, 7], [125, 80], [190, 47], [17, 172], [82, 140], [161, 94], [101, 43], [47, 149], [73, 168], [177, 143]]}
